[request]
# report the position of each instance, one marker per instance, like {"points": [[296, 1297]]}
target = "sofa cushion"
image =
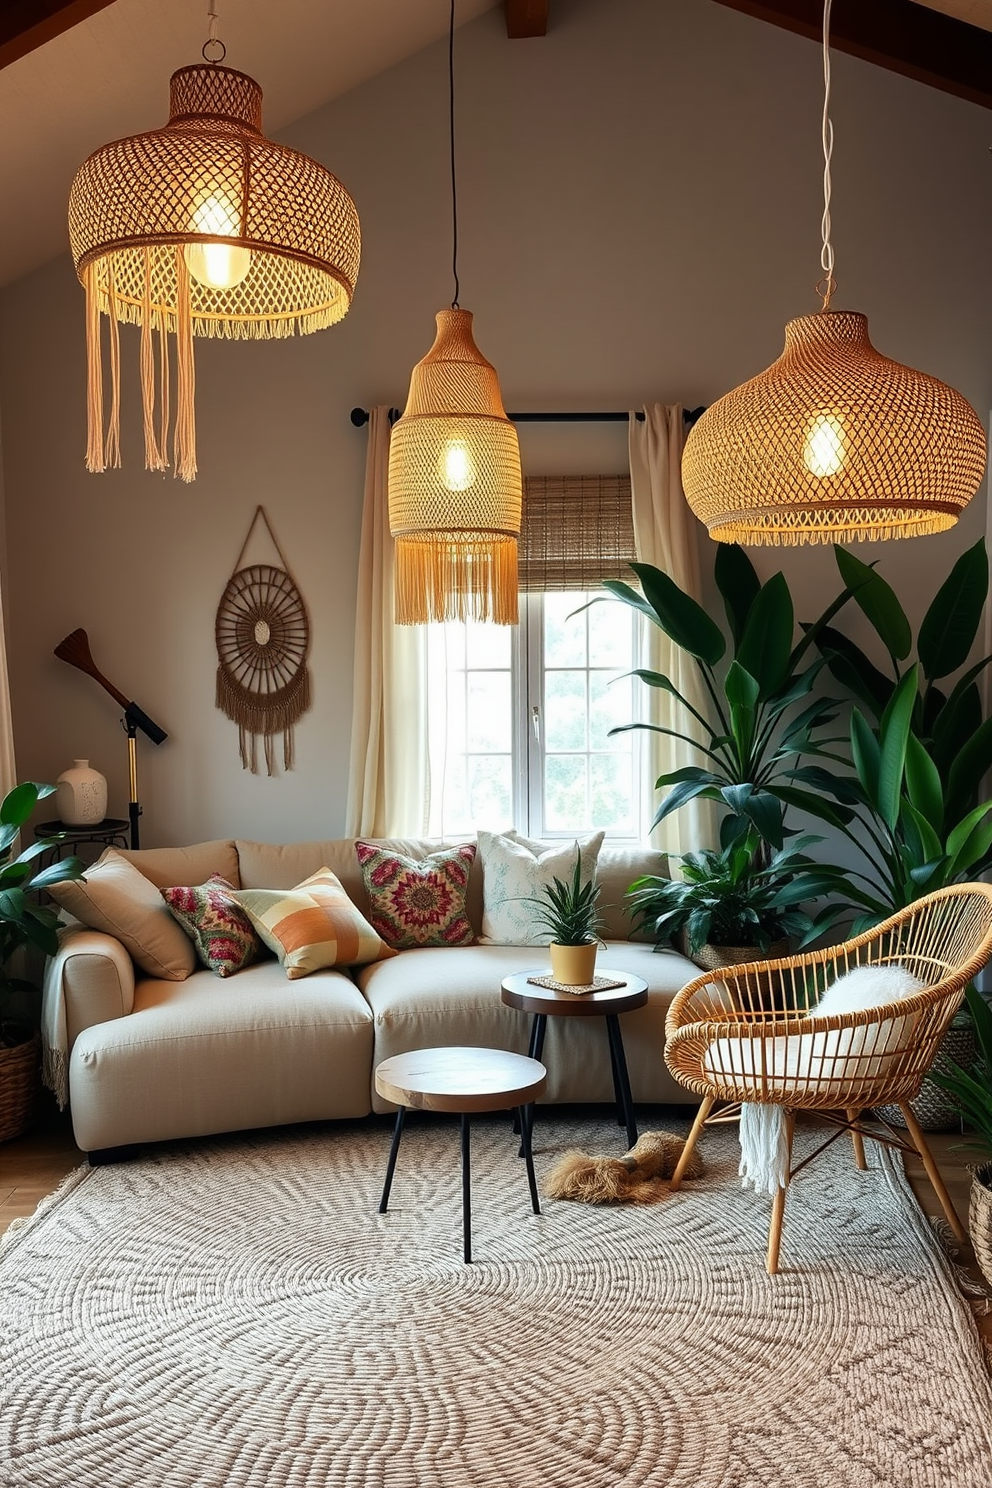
{"points": [[443, 997], [515, 871], [187, 865], [116, 898], [222, 934], [418, 902], [207, 1055], [312, 926]]}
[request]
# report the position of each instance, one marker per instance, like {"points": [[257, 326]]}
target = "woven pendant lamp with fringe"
{"points": [[455, 487], [202, 228], [834, 442]]}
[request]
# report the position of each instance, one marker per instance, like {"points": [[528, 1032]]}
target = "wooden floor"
{"points": [[33, 1165]]}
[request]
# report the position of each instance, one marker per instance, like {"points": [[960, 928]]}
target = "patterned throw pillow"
{"points": [[312, 926], [216, 924], [418, 902], [514, 871]]}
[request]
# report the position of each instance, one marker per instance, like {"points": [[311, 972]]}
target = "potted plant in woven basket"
{"points": [[569, 913], [973, 1091], [23, 922]]}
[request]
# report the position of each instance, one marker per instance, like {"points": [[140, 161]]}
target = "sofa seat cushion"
{"points": [[439, 997], [208, 1055]]}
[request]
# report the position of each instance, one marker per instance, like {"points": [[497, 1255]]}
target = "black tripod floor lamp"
{"points": [[75, 649]]}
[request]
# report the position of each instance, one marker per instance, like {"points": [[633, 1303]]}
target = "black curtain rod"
{"points": [[360, 416]]}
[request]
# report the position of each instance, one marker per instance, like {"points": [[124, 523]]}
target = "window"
{"points": [[519, 721]]}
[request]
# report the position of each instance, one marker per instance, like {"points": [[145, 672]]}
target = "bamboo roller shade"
{"points": [[577, 530]]}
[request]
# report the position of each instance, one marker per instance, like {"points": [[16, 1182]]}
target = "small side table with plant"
{"points": [[23, 922]]}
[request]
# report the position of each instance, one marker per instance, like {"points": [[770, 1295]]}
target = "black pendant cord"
{"points": [[451, 133]]}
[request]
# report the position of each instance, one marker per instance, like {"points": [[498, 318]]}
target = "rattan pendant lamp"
{"points": [[834, 442], [202, 228], [454, 471]]}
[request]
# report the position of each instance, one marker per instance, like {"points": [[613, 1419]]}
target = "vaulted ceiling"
{"points": [[77, 73]]}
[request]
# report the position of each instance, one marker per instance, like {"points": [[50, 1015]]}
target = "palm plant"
{"points": [[760, 720], [973, 1088]]}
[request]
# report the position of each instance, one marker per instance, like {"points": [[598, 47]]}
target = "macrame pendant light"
{"points": [[455, 487], [454, 472], [834, 442], [202, 228]]}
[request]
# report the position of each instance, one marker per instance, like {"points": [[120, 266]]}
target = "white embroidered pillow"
{"points": [[514, 871]]}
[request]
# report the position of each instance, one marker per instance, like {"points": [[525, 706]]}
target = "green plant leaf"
{"points": [[815, 806], [970, 764], [765, 811], [949, 627], [680, 617], [954, 725], [877, 601], [851, 667], [923, 784], [866, 754], [893, 737], [921, 843], [629, 596], [766, 644], [970, 841], [680, 796], [738, 584], [741, 691], [19, 803]]}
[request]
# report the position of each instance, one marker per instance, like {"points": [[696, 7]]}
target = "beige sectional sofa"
{"points": [[150, 1060]]}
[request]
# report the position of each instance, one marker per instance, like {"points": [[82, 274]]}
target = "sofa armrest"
{"points": [[93, 978]]}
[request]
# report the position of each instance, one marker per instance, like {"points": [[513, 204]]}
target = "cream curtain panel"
{"points": [[665, 535], [388, 786]]}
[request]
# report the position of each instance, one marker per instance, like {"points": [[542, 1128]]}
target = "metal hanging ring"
{"points": [[214, 41]]}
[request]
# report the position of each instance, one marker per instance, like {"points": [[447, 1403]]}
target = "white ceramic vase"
{"points": [[81, 795]]}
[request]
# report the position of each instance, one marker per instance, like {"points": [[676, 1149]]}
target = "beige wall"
{"points": [[640, 210]]}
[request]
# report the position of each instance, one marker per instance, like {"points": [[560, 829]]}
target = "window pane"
{"points": [[565, 804], [447, 643], [565, 710], [488, 645], [612, 790], [454, 721], [490, 711], [564, 639], [610, 635], [610, 706], [455, 814], [491, 791]]}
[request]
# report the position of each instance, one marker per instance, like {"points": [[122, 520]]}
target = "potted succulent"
{"points": [[731, 906], [972, 1089], [570, 914], [23, 922]]}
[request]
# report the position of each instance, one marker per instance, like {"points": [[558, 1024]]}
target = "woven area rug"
{"points": [[235, 1314]]}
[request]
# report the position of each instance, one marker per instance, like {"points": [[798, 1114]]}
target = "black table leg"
{"points": [[534, 1051], [524, 1114], [391, 1165], [621, 1114], [624, 1100], [466, 1191]]}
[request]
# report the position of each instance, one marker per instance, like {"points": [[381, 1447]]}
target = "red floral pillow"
{"points": [[222, 933], [418, 901]]}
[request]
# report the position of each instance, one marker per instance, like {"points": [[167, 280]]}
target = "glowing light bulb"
{"points": [[824, 452], [215, 265], [457, 466]]}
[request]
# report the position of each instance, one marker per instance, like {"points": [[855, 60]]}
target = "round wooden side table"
{"points": [[461, 1080], [521, 993]]}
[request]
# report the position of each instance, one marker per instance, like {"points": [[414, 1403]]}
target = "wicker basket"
{"points": [[936, 1109], [715, 957], [980, 1219], [19, 1086]]}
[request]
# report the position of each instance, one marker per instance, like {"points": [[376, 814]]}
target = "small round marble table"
{"points": [[521, 993], [461, 1080]]}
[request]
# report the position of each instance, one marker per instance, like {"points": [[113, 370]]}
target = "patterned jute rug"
{"points": [[235, 1314]]}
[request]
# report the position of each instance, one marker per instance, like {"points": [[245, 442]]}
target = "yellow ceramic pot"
{"points": [[573, 966]]}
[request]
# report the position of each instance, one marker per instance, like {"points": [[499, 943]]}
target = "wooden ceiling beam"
{"points": [[27, 24], [904, 37], [526, 18]]}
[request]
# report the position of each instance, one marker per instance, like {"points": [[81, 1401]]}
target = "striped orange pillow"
{"points": [[312, 926]]}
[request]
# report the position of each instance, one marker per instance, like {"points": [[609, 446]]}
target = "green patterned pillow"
{"points": [[222, 933], [418, 902]]}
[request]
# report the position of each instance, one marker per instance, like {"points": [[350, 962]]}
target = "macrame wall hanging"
{"points": [[263, 637]]}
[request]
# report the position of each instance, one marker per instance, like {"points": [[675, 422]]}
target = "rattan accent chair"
{"points": [[743, 1033]]}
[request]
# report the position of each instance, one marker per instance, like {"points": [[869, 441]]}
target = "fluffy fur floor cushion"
{"points": [[639, 1177]]}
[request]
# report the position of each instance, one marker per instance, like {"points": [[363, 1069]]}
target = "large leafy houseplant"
{"points": [[729, 898], [973, 1091], [913, 805], [760, 719], [23, 920]]}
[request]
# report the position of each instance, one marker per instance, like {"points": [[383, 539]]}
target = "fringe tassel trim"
{"points": [[259, 715], [451, 579]]}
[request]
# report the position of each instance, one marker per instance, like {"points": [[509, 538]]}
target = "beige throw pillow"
{"points": [[115, 898]]}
